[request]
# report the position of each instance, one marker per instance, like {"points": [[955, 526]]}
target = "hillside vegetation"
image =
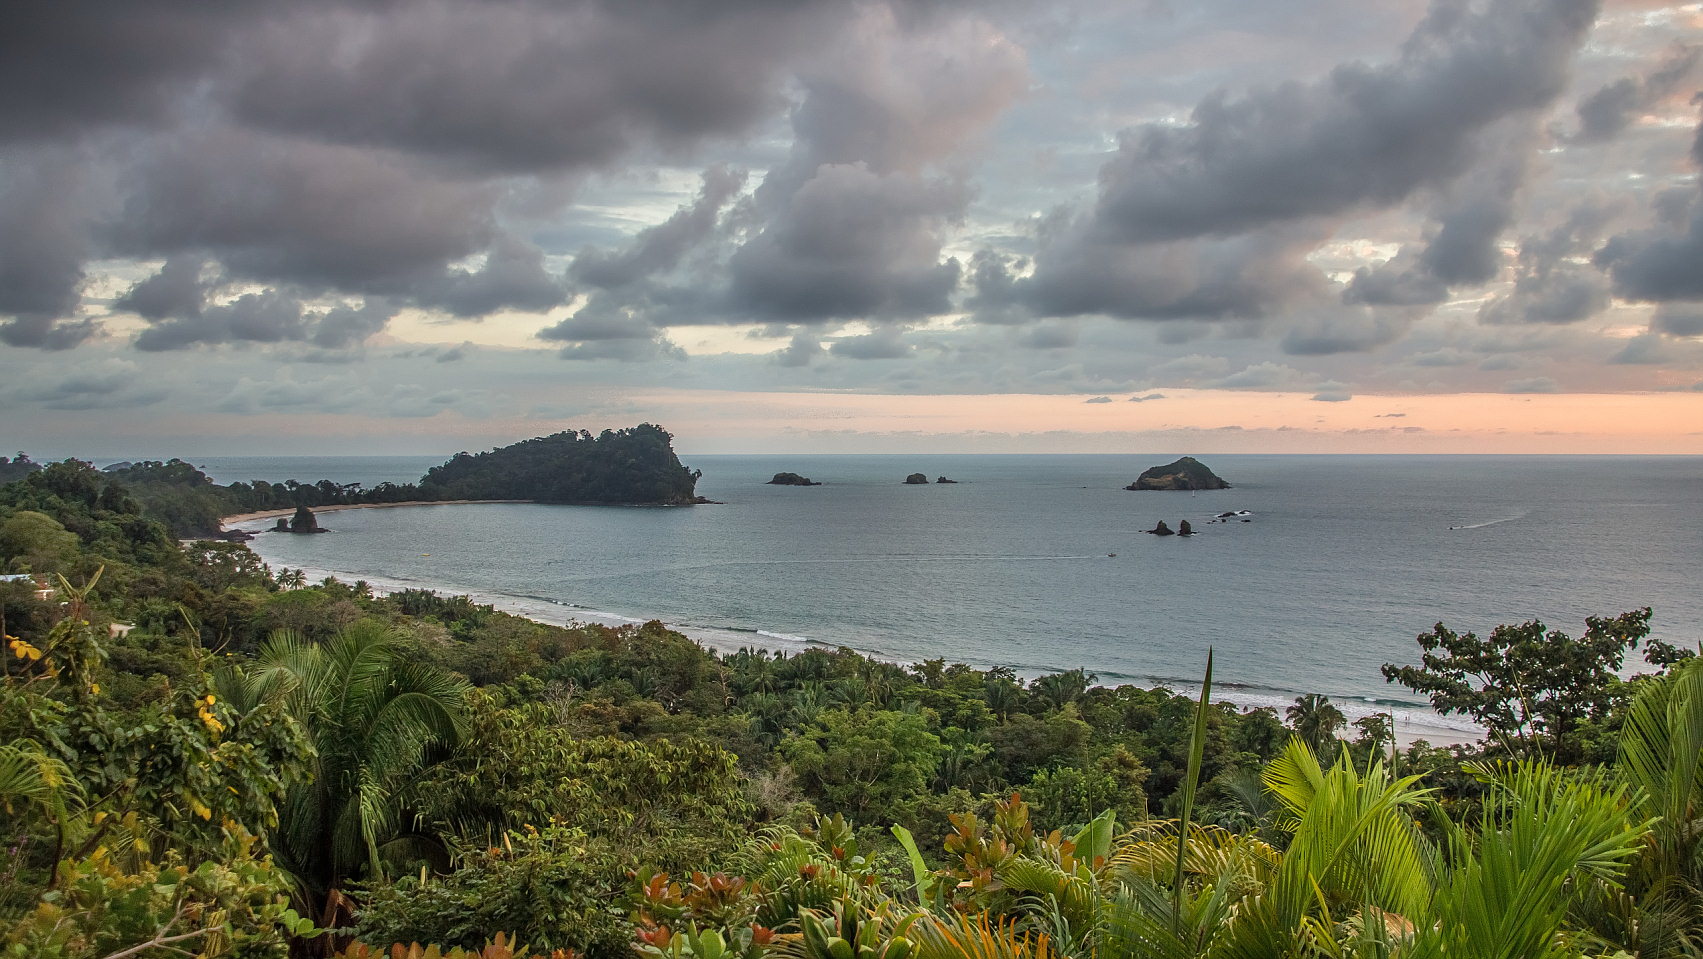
{"points": [[258, 766]]}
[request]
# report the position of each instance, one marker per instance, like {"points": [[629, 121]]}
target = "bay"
{"points": [[1040, 562]]}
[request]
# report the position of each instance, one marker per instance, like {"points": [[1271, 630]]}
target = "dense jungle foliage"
{"points": [[202, 756], [632, 466]]}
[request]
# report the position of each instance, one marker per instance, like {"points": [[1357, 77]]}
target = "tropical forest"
{"points": [[203, 756]]}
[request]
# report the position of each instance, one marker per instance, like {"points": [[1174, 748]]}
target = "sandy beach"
{"points": [[291, 510]]}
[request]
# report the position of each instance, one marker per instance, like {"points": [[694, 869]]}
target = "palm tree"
{"points": [[1315, 721], [1660, 912], [375, 721]]}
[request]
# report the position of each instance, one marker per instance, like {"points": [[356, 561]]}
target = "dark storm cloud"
{"points": [[801, 351], [1402, 281], [67, 67], [1251, 275], [1561, 292], [850, 244], [1645, 349], [1363, 136], [176, 290], [519, 86], [281, 210], [1344, 329], [268, 317], [1469, 216], [1613, 107], [271, 316], [345, 326], [885, 343], [594, 323], [896, 95], [1678, 319], [661, 247], [513, 277], [42, 248], [1664, 262], [853, 226], [850, 224], [1550, 285], [1658, 264]]}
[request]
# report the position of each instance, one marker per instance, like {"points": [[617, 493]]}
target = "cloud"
{"points": [[270, 316], [1662, 263], [512, 277], [1148, 398], [1331, 391], [178, 289], [1241, 276], [1551, 286], [1098, 399], [345, 326], [65, 69], [1678, 319], [1262, 376], [1645, 349], [1658, 264], [801, 351], [884, 343], [102, 384], [1536, 384], [1363, 136], [1612, 107], [851, 244], [42, 247], [277, 210], [661, 247], [1344, 329], [521, 87]]}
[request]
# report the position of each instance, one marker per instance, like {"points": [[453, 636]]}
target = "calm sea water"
{"points": [[1039, 562]]}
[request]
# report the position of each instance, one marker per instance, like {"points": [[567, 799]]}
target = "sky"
{"points": [[348, 227]]}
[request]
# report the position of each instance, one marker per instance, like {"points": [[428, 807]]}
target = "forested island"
{"points": [[1186, 473], [203, 756], [635, 466]]}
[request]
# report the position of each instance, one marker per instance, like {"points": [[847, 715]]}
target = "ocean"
{"points": [[1040, 563]]}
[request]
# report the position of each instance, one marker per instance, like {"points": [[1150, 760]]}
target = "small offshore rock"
{"points": [[791, 479], [304, 521], [917, 479], [1161, 530], [1184, 529], [945, 480]]}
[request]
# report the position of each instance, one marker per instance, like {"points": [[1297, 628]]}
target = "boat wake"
{"points": [[1495, 522]]}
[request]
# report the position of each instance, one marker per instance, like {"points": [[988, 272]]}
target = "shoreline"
{"points": [[1411, 725], [335, 507]]}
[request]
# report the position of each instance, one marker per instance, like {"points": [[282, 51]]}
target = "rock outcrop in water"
{"points": [[917, 479], [1184, 529], [791, 479], [303, 522], [943, 479], [1161, 530], [1186, 473]]}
